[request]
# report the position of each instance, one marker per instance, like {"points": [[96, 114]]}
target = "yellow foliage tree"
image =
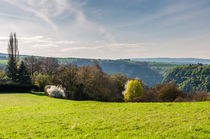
{"points": [[133, 89]]}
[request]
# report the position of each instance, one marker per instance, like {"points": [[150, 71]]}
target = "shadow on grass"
{"points": [[34, 93], [14, 93], [38, 93]]}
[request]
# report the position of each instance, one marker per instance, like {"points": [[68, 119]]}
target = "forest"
{"points": [[190, 77]]}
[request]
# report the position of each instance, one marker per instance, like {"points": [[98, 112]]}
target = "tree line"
{"points": [[82, 83]]}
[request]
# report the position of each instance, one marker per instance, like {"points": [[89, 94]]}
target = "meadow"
{"points": [[38, 116]]}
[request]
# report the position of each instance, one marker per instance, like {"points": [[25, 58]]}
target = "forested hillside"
{"points": [[190, 77]]}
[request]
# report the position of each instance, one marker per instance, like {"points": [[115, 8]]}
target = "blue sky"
{"points": [[108, 28]]}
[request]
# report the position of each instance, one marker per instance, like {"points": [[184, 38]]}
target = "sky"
{"points": [[108, 29]]}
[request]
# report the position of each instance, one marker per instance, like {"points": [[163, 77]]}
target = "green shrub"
{"points": [[133, 89], [149, 95], [41, 81]]}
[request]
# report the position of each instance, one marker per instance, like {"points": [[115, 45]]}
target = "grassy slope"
{"points": [[29, 115]]}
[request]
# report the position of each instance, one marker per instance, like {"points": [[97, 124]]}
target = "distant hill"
{"points": [[190, 77], [174, 60], [3, 54]]}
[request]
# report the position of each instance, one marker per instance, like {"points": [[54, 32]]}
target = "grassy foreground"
{"points": [[34, 116]]}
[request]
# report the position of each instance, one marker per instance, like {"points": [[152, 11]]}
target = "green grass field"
{"points": [[37, 116], [4, 62]]}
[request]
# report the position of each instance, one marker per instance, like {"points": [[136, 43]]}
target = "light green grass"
{"points": [[4, 62], [132, 62], [34, 116], [67, 59]]}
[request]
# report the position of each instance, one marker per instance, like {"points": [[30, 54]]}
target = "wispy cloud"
{"points": [[30, 6], [49, 46], [76, 28], [175, 11], [49, 10]]}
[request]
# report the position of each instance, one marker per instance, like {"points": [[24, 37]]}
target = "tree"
{"points": [[23, 74], [133, 89], [68, 79], [119, 83], [13, 58], [33, 64], [95, 83], [49, 65]]}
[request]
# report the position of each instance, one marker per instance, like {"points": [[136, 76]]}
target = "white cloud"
{"points": [[40, 45], [50, 10], [62, 28], [27, 5]]}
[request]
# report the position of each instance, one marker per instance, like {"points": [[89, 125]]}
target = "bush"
{"points": [[149, 95], [198, 96], [180, 99], [169, 93], [193, 97], [41, 81], [3, 76], [12, 87], [133, 89], [55, 91], [158, 87]]}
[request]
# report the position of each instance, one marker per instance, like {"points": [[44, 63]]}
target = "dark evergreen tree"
{"points": [[23, 74], [13, 58]]}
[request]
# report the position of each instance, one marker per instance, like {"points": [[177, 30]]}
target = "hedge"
{"points": [[10, 87]]}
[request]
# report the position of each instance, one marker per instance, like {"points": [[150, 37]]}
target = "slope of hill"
{"points": [[174, 60], [36, 116], [190, 77]]}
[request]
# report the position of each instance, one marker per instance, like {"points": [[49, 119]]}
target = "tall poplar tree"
{"points": [[13, 58]]}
